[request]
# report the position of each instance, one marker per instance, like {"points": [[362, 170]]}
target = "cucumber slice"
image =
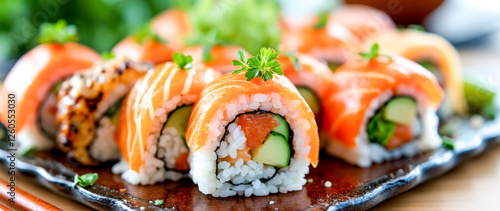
{"points": [[401, 110], [275, 151], [179, 119], [311, 99], [479, 97], [283, 127]]}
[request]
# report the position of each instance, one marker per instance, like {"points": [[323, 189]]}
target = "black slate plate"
{"points": [[353, 188]]}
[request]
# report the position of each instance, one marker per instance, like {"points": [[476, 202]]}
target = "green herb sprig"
{"points": [[59, 32], [448, 143], [374, 53], [184, 62], [107, 55], [145, 32], [296, 64], [323, 20], [158, 202], [85, 180], [263, 65]]}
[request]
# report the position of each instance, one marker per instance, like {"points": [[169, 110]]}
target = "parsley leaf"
{"points": [[263, 65], [374, 53], [59, 32], [323, 19], [145, 32], [158, 202], [291, 55], [85, 180], [448, 143], [184, 62], [380, 130]]}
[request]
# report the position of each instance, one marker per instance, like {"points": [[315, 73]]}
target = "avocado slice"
{"points": [[275, 151], [282, 128], [380, 130], [311, 99], [179, 119], [401, 110]]}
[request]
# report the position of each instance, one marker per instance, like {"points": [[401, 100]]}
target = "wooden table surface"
{"points": [[474, 185]]}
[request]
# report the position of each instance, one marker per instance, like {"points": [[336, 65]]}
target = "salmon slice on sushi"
{"points": [[310, 76], [251, 133], [88, 110], [381, 108], [218, 57], [36, 79], [363, 21], [328, 42], [173, 25], [153, 121], [437, 55], [144, 46]]}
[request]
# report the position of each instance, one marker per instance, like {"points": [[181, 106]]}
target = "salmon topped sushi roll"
{"points": [[251, 133], [36, 79], [363, 21], [381, 109], [88, 110], [173, 25], [436, 54], [325, 41], [144, 46], [310, 76], [218, 57], [153, 121]]}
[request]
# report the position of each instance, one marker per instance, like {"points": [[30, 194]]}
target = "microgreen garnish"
{"points": [[291, 55], [448, 143], [145, 32], [184, 62], [85, 180], [374, 53], [158, 202], [107, 55], [59, 32], [416, 27], [262, 65], [323, 19]]}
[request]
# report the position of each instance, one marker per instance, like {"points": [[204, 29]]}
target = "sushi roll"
{"points": [[36, 78], [144, 46], [218, 57], [173, 26], [325, 41], [310, 76], [437, 55], [363, 21], [154, 118], [88, 110], [381, 109], [251, 133]]}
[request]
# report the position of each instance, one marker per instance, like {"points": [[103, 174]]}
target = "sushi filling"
{"points": [[255, 146], [102, 149], [166, 155], [312, 100], [172, 147], [395, 124], [47, 111]]}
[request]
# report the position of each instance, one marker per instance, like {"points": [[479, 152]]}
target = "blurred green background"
{"points": [[101, 23]]}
